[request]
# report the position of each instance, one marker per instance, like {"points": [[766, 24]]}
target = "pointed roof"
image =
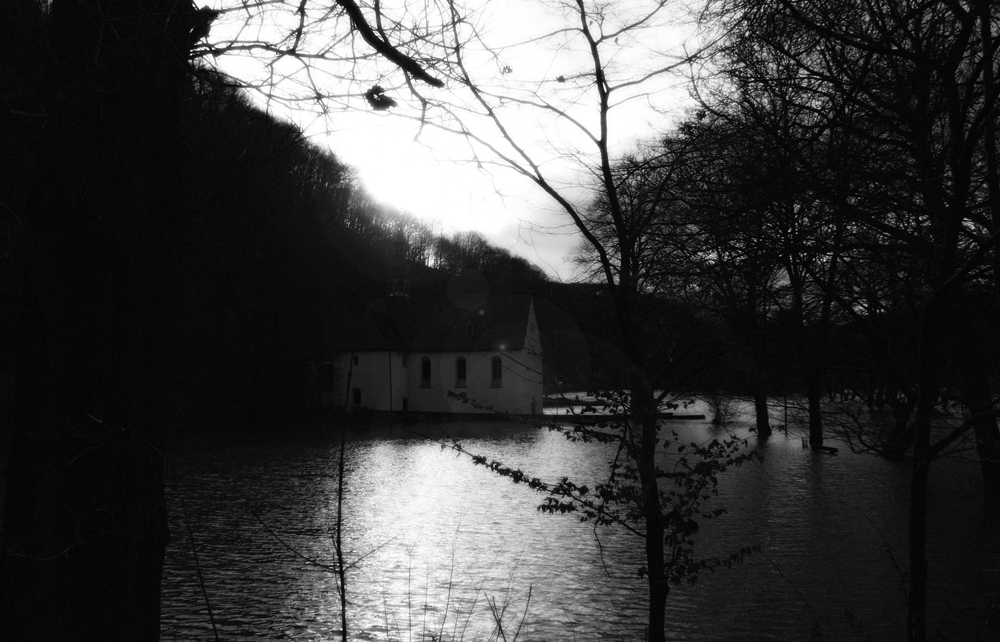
{"points": [[498, 323], [437, 324]]}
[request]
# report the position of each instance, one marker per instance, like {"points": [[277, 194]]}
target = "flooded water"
{"points": [[440, 549]]}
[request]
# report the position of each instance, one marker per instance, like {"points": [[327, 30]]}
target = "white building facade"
{"points": [[486, 360]]}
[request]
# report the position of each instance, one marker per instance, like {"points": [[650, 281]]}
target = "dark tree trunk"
{"points": [[762, 412], [916, 623], [815, 398], [644, 454], [987, 435], [816, 338], [810, 356], [932, 357], [927, 392], [900, 437], [85, 526], [659, 588], [979, 401], [988, 448]]}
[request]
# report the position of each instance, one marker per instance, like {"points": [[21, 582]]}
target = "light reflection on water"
{"points": [[436, 539]]}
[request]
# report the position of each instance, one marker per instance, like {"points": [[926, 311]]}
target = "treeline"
{"points": [[277, 240], [810, 259], [831, 211], [271, 240], [387, 231]]}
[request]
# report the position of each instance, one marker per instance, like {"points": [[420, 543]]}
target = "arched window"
{"points": [[496, 370], [425, 372], [460, 372]]}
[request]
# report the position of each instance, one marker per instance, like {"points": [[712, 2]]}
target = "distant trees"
{"points": [[838, 182], [271, 236], [886, 111], [688, 200], [253, 240], [503, 271]]}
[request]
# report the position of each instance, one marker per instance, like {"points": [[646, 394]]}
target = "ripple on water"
{"points": [[434, 540]]}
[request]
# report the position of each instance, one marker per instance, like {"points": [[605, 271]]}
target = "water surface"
{"points": [[438, 545]]}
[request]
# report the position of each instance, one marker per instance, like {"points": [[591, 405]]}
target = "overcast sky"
{"points": [[527, 50]]}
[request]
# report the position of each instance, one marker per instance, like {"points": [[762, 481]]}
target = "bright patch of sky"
{"points": [[535, 70]]}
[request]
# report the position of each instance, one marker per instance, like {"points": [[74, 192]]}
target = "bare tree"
{"points": [[570, 72], [548, 102], [84, 516], [582, 91], [913, 84], [549, 99]]}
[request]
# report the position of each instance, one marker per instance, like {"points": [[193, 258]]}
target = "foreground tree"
{"points": [[98, 88], [85, 527], [912, 84]]}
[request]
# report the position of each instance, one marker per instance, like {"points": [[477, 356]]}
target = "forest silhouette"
{"points": [[172, 258]]}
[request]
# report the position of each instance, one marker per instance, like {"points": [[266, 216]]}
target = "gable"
{"points": [[494, 325], [433, 324]]}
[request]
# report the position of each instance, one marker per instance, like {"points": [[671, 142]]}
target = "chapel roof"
{"points": [[495, 324], [437, 324]]}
